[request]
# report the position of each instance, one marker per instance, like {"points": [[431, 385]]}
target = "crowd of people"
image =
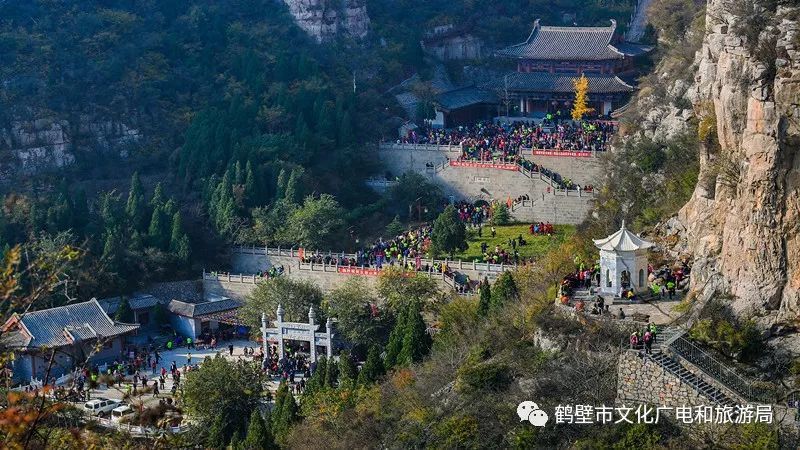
{"points": [[489, 141]]}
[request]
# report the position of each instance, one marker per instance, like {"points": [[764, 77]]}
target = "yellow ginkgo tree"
{"points": [[581, 105]]}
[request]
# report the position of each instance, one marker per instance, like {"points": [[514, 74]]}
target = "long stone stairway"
{"points": [[709, 391]]}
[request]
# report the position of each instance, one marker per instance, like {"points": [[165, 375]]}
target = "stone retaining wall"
{"points": [[641, 380]]}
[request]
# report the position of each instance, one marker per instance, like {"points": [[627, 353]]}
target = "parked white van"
{"points": [[100, 406], [121, 411]]}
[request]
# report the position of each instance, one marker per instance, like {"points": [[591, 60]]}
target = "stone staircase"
{"points": [[707, 390]]}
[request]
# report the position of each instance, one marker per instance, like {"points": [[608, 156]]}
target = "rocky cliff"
{"points": [[742, 224], [33, 146], [326, 19]]}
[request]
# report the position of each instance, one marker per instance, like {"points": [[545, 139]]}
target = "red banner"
{"points": [[562, 153], [359, 271], [480, 165]]}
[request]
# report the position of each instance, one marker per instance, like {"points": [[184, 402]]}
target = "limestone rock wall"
{"points": [[32, 146], [743, 224], [326, 19]]}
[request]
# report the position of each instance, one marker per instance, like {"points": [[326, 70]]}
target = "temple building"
{"points": [[547, 62], [552, 57]]}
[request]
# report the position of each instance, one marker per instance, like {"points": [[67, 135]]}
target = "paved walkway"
{"points": [[181, 358]]}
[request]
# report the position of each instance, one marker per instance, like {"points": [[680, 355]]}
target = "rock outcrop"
{"points": [[743, 221], [33, 146], [327, 19]]}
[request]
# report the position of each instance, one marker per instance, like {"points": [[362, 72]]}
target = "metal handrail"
{"points": [[720, 372]]}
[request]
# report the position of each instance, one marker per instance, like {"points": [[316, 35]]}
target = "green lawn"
{"points": [[537, 245]]}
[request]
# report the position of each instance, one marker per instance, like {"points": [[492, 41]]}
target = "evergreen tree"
{"points": [[500, 215], [395, 344], [331, 374], [504, 291], [217, 437], [236, 441], [317, 380], [294, 187], [485, 302], [135, 208], [179, 242], [416, 340], [157, 231], [347, 369], [449, 233], [373, 367], [80, 217], [258, 435], [280, 188], [250, 194], [286, 415], [158, 196], [395, 227], [124, 312]]}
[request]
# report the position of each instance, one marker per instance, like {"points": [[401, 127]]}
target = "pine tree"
{"points": [[485, 302], [156, 232], [158, 196], [347, 370], [317, 380], [124, 312], [580, 107], [395, 344], [135, 207], [395, 227], [449, 233], [236, 441], [217, 438], [331, 374], [286, 415], [280, 188], [179, 242], [280, 398], [373, 367], [416, 340], [80, 217], [294, 193], [250, 194], [504, 291], [500, 215], [258, 436]]}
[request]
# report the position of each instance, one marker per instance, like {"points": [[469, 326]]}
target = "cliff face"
{"points": [[29, 147], [742, 225], [326, 19]]}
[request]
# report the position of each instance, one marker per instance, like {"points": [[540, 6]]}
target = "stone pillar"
{"points": [[329, 333], [264, 338], [312, 317], [279, 325], [522, 106]]}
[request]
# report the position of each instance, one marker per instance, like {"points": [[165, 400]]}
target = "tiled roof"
{"points": [[61, 326], [200, 309], [137, 301], [566, 43], [466, 96], [562, 83], [622, 241]]}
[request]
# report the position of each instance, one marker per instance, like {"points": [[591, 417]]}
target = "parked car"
{"points": [[121, 411], [100, 406]]}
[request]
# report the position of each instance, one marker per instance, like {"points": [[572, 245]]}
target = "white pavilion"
{"points": [[623, 262]]}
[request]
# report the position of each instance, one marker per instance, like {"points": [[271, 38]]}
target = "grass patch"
{"points": [[537, 245]]}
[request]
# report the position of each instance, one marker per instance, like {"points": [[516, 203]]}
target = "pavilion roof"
{"points": [[566, 43], [622, 241], [561, 83]]}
